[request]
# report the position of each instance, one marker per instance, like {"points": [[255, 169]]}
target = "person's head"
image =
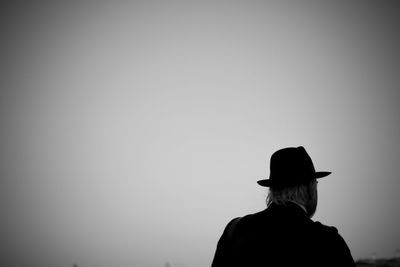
{"points": [[303, 194], [293, 178]]}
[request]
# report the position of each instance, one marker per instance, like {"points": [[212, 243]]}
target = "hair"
{"points": [[300, 193]]}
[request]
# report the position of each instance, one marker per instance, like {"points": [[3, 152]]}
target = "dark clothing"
{"points": [[281, 235]]}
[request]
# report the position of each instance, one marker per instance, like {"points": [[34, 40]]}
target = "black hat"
{"points": [[289, 167]]}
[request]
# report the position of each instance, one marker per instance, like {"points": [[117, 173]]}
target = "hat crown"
{"points": [[291, 166], [291, 162]]}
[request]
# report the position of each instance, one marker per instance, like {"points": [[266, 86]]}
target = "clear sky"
{"points": [[132, 132]]}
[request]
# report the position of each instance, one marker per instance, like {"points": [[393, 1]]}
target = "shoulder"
{"points": [[334, 244], [324, 234], [331, 234], [232, 223], [325, 228], [244, 220], [328, 232], [230, 226]]}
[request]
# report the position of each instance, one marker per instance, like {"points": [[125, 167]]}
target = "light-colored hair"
{"points": [[300, 194]]}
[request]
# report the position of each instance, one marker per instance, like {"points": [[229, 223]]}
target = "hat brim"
{"points": [[272, 183]]}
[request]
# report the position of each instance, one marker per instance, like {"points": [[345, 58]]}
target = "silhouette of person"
{"points": [[283, 234]]}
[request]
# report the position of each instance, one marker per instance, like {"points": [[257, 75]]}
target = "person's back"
{"points": [[283, 234]]}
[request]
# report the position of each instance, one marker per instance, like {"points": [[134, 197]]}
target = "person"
{"points": [[283, 234]]}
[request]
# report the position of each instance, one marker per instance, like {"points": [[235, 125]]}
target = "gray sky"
{"points": [[132, 132]]}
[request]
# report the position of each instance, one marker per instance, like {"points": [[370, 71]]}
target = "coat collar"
{"points": [[289, 207]]}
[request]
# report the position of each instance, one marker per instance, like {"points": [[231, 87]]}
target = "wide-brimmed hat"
{"points": [[289, 167]]}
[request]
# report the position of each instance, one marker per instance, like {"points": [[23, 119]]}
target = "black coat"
{"points": [[281, 236]]}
